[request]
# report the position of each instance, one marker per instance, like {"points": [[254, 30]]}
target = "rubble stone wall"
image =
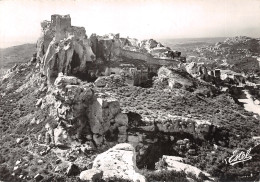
{"points": [[147, 57]]}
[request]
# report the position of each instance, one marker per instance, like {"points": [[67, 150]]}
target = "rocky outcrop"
{"points": [[111, 81], [66, 48], [192, 68], [238, 54], [81, 113], [44, 40], [68, 56], [63, 48], [150, 44], [176, 78], [156, 49], [199, 71], [116, 163], [109, 48], [91, 175], [176, 164]]}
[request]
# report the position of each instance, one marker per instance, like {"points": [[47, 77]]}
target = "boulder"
{"points": [[121, 119], [116, 163], [101, 112], [78, 94], [192, 68], [19, 140], [91, 175], [60, 136], [62, 80], [177, 78], [101, 82], [176, 164], [169, 159]]}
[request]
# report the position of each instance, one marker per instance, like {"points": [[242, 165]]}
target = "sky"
{"points": [[142, 19]]}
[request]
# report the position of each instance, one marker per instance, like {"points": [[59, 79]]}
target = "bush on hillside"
{"points": [[164, 175]]}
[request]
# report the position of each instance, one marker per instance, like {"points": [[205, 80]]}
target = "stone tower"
{"points": [[60, 24]]}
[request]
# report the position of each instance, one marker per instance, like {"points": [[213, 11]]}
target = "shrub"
{"points": [[164, 175], [5, 174]]}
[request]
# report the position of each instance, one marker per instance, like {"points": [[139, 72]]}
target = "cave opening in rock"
{"points": [[112, 136], [85, 75], [75, 62], [134, 120], [147, 82], [154, 152]]}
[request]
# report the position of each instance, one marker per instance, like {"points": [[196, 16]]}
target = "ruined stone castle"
{"points": [[67, 49]]}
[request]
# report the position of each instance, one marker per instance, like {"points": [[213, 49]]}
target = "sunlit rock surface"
{"points": [[116, 163]]}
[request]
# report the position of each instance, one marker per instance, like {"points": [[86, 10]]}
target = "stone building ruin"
{"points": [[67, 49]]}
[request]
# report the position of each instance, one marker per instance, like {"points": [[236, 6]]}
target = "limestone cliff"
{"points": [[175, 78], [67, 49], [63, 48], [118, 163], [82, 114]]}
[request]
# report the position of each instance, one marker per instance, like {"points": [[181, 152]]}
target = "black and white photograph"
{"points": [[129, 90]]}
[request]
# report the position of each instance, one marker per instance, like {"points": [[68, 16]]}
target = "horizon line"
{"points": [[19, 44]]}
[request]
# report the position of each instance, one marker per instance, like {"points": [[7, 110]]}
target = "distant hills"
{"points": [[186, 45], [240, 54], [15, 54]]}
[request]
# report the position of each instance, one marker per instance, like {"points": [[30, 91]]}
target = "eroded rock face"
{"points": [[81, 113], [68, 56], [192, 68], [116, 163], [156, 49], [62, 80], [66, 48], [109, 49], [45, 38], [63, 48], [150, 44], [176, 78], [176, 164], [101, 113]]}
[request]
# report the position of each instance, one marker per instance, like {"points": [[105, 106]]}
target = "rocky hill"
{"points": [[240, 54], [63, 118], [187, 45], [15, 55]]}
